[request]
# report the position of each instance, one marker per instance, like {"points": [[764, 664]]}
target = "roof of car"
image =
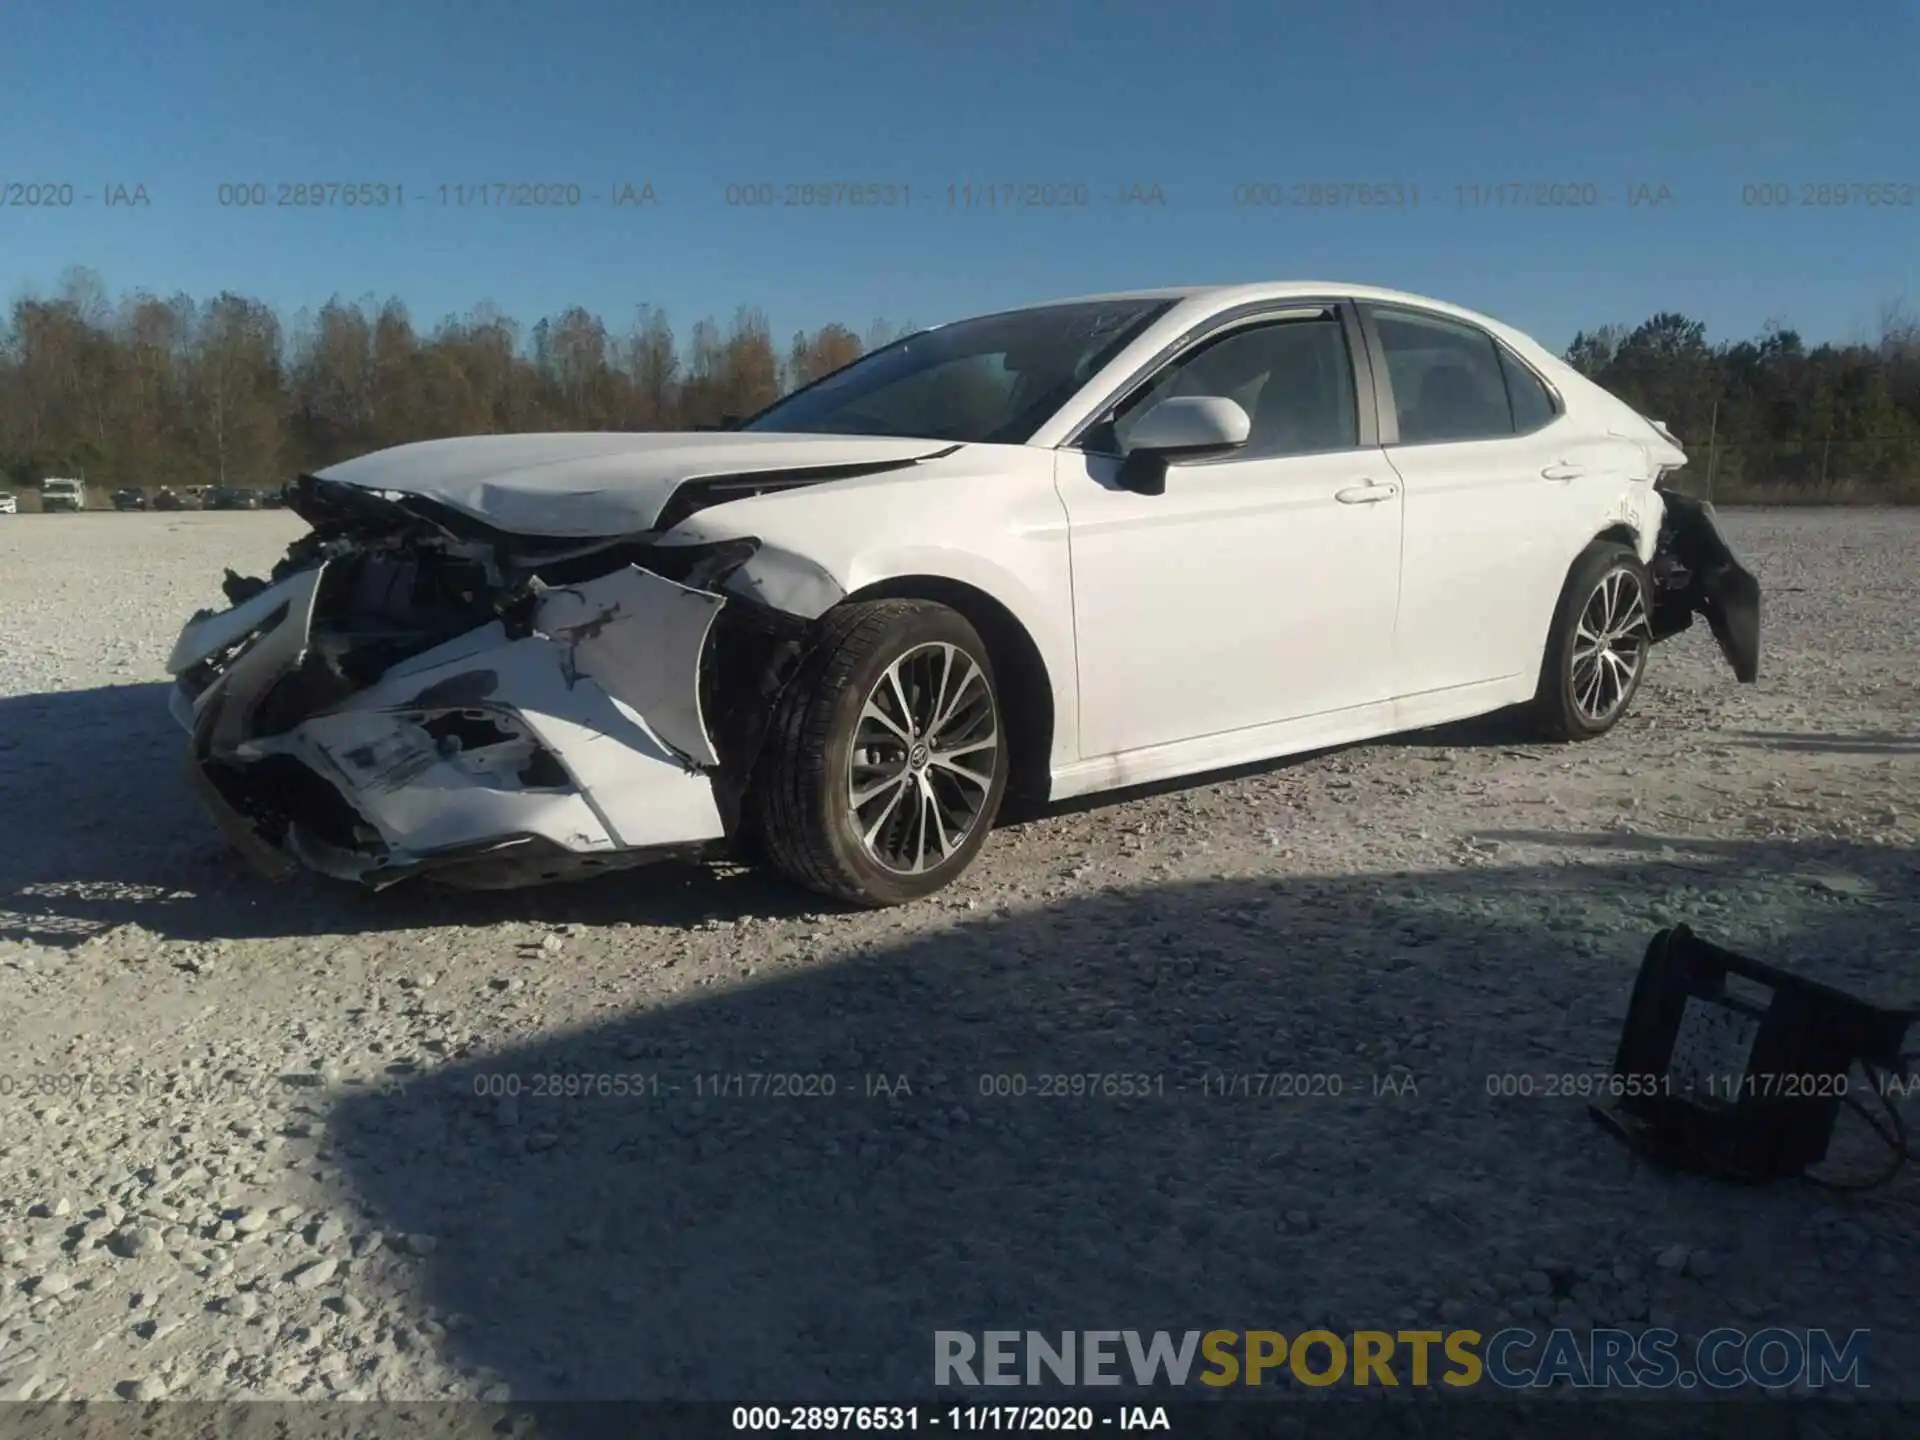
{"points": [[1249, 290], [1225, 296]]}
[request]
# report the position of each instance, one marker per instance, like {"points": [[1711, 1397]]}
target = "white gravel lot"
{"points": [[242, 1153]]}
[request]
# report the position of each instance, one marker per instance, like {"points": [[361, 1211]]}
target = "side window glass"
{"points": [[1532, 404], [1294, 379], [1447, 380]]}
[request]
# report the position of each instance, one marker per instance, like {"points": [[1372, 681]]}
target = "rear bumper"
{"points": [[507, 760], [1697, 573]]}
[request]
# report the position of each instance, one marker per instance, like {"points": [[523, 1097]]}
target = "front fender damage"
{"points": [[422, 703]]}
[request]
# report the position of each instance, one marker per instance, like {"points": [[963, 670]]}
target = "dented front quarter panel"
{"points": [[988, 517], [607, 687]]}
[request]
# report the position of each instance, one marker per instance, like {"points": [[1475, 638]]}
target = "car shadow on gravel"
{"points": [[1258, 1103], [1504, 729], [1870, 744], [114, 836], [107, 832]]}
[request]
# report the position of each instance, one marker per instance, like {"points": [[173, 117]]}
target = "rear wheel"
{"points": [[887, 760], [1598, 647]]}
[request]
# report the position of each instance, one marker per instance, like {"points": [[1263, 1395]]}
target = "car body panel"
{"points": [[587, 485], [985, 516], [624, 789], [639, 637], [1164, 587], [534, 655]]}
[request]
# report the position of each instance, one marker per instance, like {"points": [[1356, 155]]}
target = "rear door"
{"points": [[1479, 442]]}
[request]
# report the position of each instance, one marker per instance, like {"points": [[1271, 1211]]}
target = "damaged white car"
{"points": [[1046, 552]]}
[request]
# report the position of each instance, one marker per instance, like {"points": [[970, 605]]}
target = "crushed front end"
{"points": [[411, 692]]}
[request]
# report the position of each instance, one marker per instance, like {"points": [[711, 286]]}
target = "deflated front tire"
{"points": [[886, 761]]}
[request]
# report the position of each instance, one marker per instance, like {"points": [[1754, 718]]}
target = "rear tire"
{"points": [[887, 759], [1598, 647]]}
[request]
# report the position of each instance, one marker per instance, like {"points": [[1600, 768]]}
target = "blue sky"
{"points": [[1199, 98]]}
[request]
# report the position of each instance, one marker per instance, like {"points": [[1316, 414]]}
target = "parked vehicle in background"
{"points": [[8, 505], [228, 497], [167, 498], [274, 498], [129, 497], [58, 494]]}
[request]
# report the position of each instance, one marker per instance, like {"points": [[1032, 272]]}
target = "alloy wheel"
{"points": [[924, 757], [1610, 645]]}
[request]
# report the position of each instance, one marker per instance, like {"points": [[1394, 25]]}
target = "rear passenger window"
{"points": [[1532, 402], [1447, 380]]}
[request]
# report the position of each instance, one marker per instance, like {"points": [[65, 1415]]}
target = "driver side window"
{"points": [[1294, 378]]}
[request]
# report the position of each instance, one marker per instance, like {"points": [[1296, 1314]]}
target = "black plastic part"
{"points": [[1767, 1116], [703, 493], [1144, 472], [1699, 574]]}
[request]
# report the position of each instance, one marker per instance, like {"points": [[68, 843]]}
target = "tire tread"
{"points": [[790, 788]]}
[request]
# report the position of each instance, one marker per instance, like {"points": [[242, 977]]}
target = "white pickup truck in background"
{"points": [[63, 495]]}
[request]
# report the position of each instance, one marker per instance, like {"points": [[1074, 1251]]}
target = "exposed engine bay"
{"points": [[402, 651]]}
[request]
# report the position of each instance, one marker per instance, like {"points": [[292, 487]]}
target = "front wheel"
{"points": [[1597, 649], [886, 761]]}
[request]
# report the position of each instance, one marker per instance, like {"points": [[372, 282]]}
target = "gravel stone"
{"points": [[315, 1274], [252, 1220], [135, 1242]]}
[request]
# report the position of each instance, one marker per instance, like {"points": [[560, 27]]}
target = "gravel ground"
{"points": [[245, 1149]]}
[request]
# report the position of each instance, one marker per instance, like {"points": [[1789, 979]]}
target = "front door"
{"points": [[1260, 586]]}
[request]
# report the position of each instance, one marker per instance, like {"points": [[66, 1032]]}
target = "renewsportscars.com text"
{"points": [[1510, 1359]]}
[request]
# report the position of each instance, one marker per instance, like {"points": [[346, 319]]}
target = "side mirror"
{"points": [[1185, 427]]}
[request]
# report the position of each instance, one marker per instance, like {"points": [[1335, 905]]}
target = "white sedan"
{"points": [[1051, 551]]}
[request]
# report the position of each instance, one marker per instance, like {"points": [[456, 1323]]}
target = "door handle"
{"points": [[1369, 493], [1563, 472]]}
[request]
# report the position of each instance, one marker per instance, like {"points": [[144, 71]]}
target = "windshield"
{"points": [[993, 380]]}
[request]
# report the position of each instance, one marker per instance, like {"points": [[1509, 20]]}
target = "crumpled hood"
{"points": [[596, 484]]}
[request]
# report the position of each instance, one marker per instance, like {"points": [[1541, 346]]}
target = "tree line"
{"points": [[1776, 419], [147, 391]]}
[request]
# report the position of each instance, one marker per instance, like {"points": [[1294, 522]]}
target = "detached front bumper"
{"points": [[488, 759]]}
